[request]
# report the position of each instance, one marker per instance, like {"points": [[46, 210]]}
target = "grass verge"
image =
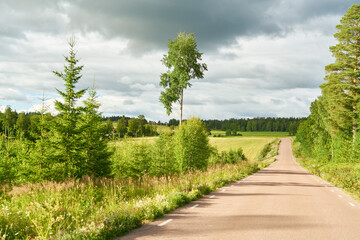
{"points": [[343, 175], [103, 209]]}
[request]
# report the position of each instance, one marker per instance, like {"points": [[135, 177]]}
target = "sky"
{"points": [[265, 58]]}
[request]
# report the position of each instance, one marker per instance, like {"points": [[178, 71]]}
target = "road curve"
{"points": [[282, 201]]}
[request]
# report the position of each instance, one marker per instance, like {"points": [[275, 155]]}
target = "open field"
{"points": [[253, 134], [251, 146], [251, 142]]}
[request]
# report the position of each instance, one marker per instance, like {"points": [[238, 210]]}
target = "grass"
{"points": [[105, 208], [343, 175], [252, 146], [252, 143]]}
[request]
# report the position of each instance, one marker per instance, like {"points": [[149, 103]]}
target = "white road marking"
{"points": [[340, 196], [164, 223], [196, 205], [351, 204], [212, 196]]}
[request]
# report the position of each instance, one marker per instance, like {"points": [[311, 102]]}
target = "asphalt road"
{"points": [[282, 201]]}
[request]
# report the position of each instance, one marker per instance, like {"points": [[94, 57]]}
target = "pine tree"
{"points": [[67, 133], [341, 92], [94, 145]]}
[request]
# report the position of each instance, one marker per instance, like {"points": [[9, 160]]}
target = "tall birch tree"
{"points": [[183, 65]]}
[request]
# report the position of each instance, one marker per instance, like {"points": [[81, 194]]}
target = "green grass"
{"points": [[106, 208], [252, 146], [343, 175]]}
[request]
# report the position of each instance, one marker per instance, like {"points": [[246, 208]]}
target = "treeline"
{"points": [[331, 132], [256, 124], [29, 126]]}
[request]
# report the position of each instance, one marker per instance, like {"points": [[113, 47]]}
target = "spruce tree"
{"points": [[67, 140], [94, 144], [341, 91]]}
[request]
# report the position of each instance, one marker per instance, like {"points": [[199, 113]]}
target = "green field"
{"points": [[251, 146], [251, 142]]}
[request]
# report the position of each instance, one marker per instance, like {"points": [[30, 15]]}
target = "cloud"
{"points": [[9, 94], [265, 57], [149, 24]]}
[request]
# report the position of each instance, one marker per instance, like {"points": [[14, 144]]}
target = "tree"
{"points": [[67, 139], [23, 124], [134, 126], [341, 92], [191, 145], [9, 121], [182, 63], [94, 145], [121, 126]]}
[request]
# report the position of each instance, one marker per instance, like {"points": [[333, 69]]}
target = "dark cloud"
{"points": [[149, 24]]}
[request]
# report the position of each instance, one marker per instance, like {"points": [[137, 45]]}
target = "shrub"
{"points": [[192, 148]]}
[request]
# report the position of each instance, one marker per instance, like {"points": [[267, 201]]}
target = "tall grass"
{"points": [[90, 208], [104, 208], [343, 175]]}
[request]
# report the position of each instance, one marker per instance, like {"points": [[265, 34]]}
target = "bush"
{"points": [[192, 148]]}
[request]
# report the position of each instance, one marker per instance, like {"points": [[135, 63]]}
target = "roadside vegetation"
{"points": [[345, 175], [139, 191], [328, 142]]}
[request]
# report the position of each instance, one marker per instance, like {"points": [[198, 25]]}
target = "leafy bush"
{"points": [[192, 148]]}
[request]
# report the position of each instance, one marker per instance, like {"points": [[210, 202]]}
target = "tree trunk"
{"points": [[181, 105]]}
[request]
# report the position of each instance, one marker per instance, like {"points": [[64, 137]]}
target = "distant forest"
{"points": [[257, 124]]}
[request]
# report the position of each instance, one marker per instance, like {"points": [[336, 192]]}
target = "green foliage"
{"points": [[121, 127], [75, 209], [164, 164], [9, 121], [192, 148], [182, 63], [67, 140], [331, 131], [134, 127], [94, 149], [256, 124], [132, 160], [231, 156], [341, 91]]}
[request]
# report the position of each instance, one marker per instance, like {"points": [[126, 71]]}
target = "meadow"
{"points": [[251, 143], [103, 208]]}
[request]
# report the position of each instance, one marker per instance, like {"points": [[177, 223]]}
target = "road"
{"points": [[282, 201]]}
